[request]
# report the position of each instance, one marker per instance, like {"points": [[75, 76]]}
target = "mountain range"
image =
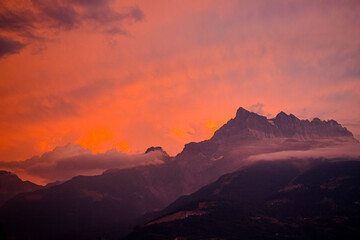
{"points": [[111, 204], [286, 199]]}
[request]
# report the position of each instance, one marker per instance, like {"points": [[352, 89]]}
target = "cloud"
{"points": [[187, 64], [37, 19], [351, 150], [38, 108], [71, 160], [9, 46], [257, 108], [178, 132], [60, 15], [70, 14], [95, 137], [56, 105], [123, 146]]}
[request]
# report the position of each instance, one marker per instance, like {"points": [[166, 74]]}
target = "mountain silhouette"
{"points": [[268, 200], [11, 185], [109, 205]]}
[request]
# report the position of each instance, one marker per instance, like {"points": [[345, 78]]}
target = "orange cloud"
{"points": [[45, 146], [123, 146], [96, 138], [179, 67], [211, 126], [178, 132]]}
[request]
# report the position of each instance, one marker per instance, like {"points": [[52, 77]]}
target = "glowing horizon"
{"points": [[129, 75]]}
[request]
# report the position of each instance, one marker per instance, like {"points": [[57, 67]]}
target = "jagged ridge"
{"points": [[106, 205], [248, 125]]}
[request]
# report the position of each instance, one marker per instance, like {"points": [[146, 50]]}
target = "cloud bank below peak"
{"points": [[71, 160], [346, 150]]}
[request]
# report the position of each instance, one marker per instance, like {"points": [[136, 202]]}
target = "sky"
{"points": [[127, 75]]}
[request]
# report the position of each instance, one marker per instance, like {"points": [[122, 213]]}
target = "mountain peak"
{"points": [[316, 120], [158, 149], [3, 172], [293, 117], [251, 126], [152, 148], [282, 115], [242, 112]]}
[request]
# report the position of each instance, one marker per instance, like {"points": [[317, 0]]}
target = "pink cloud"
{"points": [[65, 162], [183, 65]]}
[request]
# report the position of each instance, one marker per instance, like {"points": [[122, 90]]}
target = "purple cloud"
{"points": [[9, 46], [71, 160], [63, 15]]}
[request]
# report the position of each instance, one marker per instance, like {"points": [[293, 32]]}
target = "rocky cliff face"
{"points": [[249, 134], [251, 126]]}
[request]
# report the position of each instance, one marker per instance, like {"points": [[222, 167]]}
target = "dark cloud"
{"points": [[9, 46], [117, 31], [61, 16], [72, 160], [16, 21], [136, 14], [65, 15], [93, 3], [71, 14]]}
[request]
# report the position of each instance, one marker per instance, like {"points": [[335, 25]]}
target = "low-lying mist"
{"points": [[348, 150], [72, 160]]}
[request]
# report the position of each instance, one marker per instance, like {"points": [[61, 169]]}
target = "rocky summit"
{"points": [[251, 126]]}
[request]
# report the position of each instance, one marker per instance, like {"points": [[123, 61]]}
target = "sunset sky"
{"points": [[128, 75]]}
